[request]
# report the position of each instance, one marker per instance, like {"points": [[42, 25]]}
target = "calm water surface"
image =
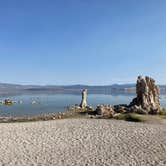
{"points": [[58, 102]]}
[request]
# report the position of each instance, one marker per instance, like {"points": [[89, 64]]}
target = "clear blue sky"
{"points": [[92, 42]]}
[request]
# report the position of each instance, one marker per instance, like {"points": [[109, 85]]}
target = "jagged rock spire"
{"points": [[147, 95]]}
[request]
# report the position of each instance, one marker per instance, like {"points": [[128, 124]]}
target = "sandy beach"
{"points": [[82, 142]]}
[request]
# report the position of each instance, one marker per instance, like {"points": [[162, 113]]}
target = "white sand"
{"points": [[82, 142]]}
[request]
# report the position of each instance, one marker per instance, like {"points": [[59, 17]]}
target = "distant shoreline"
{"points": [[14, 89]]}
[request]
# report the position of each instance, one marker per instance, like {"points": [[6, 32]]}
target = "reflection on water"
{"points": [[56, 103]]}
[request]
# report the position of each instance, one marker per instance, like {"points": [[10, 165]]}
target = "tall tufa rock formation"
{"points": [[147, 100], [84, 99]]}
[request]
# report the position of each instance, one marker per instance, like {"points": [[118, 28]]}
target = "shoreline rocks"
{"points": [[105, 111], [8, 102], [146, 102]]}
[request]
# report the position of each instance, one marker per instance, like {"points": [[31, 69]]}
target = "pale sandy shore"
{"points": [[82, 142]]}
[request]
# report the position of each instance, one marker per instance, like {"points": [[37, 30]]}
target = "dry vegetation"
{"points": [[162, 113], [42, 117], [132, 117]]}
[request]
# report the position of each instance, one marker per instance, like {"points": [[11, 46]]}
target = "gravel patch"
{"points": [[82, 142]]}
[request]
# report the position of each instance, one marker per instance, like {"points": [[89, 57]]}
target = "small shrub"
{"points": [[163, 113]]}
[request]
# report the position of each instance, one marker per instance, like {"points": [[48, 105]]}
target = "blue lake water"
{"points": [[58, 102]]}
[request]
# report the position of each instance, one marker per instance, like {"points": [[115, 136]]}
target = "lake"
{"points": [[57, 102]]}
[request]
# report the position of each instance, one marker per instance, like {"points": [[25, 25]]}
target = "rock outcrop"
{"points": [[106, 111], [84, 99], [147, 100], [8, 102]]}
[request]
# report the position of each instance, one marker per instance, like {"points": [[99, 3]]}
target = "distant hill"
{"points": [[12, 89]]}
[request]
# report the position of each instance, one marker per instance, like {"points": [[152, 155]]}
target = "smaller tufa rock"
{"points": [[74, 108], [77, 108], [8, 102], [121, 108], [105, 111]]}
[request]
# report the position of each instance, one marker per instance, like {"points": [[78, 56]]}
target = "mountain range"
{"points": [[13, 89]]}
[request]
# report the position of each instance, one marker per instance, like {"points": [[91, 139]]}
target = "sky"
{"points": [[94, 42]]}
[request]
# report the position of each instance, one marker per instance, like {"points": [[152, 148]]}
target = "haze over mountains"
{"points": [[14, 89]]}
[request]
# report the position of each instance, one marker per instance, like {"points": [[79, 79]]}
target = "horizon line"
{"points": [[22, 84]]}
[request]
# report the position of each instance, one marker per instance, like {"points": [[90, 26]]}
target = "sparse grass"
{"points": [[43, 117], [162, 113], [132, 117]]}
